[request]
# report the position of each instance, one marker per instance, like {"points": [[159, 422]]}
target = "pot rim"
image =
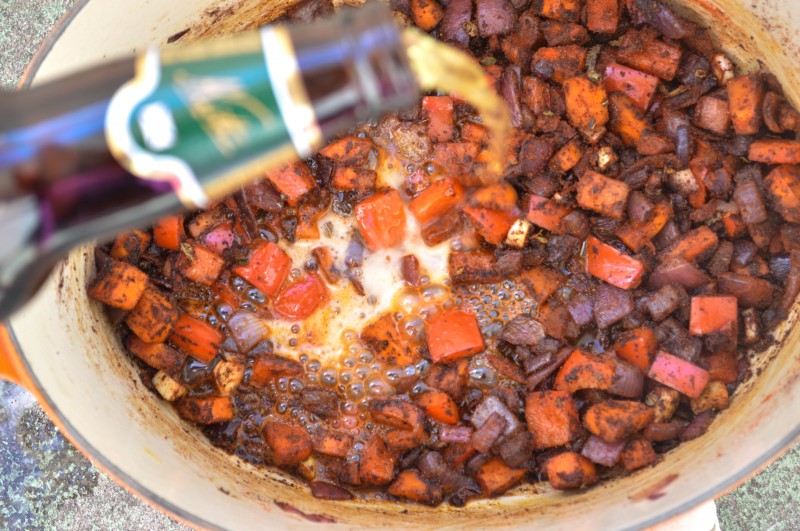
{"points": [[132, 486]]}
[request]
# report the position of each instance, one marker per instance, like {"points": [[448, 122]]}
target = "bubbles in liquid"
{"points": [[346, 377], [349, 422], [348, 336], [224, 311], [314, 366], [328, 377], [349, 408], [355, 391], [295, 386], [349, 362], [365, 356], [483, 377], [362, 373], [377, 387]]}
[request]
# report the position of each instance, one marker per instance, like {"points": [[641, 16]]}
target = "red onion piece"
{"points": [[494, 17], [455, 434], [483, 438], [456, 15], [601, 452], [328, 491], [668, 23], [220, 238], [679, 272], [489, 406], [628, 380], [751, 292], [509, 89], [248, 330]]}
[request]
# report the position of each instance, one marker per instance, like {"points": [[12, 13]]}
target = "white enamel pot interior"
{"points": [[93, 391]]}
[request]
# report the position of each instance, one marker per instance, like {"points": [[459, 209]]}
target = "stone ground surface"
{"points": [[46, 484]]}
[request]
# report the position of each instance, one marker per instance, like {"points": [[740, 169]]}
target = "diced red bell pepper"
{"points": [[713, 313], [440, 117], [493, 225], [678, 374], [454, 334], [382, 220], [267, 268], [637, 85], [300, 298], [612, 266]]}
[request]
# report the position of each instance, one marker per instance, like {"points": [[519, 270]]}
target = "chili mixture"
{"points": [[378, 321]]}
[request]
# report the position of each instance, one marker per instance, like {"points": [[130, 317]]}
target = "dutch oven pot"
{"points": [[63, 349]]}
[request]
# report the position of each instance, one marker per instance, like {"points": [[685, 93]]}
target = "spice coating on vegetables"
{"points": [[380, 321]]}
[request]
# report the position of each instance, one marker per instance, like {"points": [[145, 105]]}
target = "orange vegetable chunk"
{"points": [[196, 338], [603, 194], [569, 470], [587, 108], [712, 313], [168, 233], [426, 14], [292, 180], [454, 334], [119, 285], [266, 269], [382, 220], [291, 445], [546, 214], [440, 117], [201, 266], [612, 266], [439, 406], [616, 420], [602, 16], [436, 199], [492, 225], [745, 97], [495, 477], [783, 186], [552, 418], [300, 298], [638, 86], [205, 409], [151, 320], [774, 151], [582, 370], [637, 346], [348, 150]]}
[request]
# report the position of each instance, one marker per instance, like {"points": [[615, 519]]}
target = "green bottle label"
{"points": [[208, 116]]}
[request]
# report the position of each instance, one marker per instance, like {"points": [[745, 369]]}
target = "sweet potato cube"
{"points": [[290, 445], [157, 355], [722, 367], [691, 245], [331, 442], [559, 63], [426, 14], [169, 232], [637, 346], [712, 313], [492, 225], [638, 453], [582, 370], [348, 150], [377, 465], [638, 86], [119, 285], [569, 10], [552, 418], [349, 178], [587, 108], [439, 109], [616, 420], [381, 218], [602, 16], [200, 265], [547, 214], [625, 119], [410, 485], [540, 282], [454, 334], [745, 96], [569, 470], [567, 157], [129, 245], [205, 409], [602, 194], [293, 181], [386, 341], [783, 187], [151, 320], [439, 406], [649, 55], [495, 477], [774, 151]]}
